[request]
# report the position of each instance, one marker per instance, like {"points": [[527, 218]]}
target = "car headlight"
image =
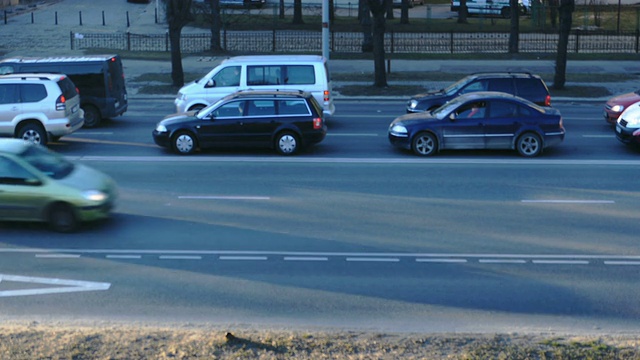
{"points": [[398, 130], [94, 195], [617, 108], [412, 104], [161, 128]]}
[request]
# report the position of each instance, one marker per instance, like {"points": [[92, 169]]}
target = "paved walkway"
{"points": [[45, 30]]}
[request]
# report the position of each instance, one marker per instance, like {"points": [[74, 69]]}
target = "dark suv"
{"points": [[522, 84], [284, 120]]}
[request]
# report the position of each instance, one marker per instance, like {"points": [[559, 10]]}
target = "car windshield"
{"points": [[453, 88], [51, 164]]}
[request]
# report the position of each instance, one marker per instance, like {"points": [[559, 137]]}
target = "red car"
{"points": [[617, 104]]}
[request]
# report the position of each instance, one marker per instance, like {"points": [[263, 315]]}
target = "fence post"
{"points": [[577, 40], [273, 40], [128, 41], [224, 38], [451, 41], [71, 39], [637, 39], [166, 41]]}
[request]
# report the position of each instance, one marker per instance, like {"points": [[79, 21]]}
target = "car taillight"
{"points": [[317, 123], [547, 100], [61, 103], [326, 95]]}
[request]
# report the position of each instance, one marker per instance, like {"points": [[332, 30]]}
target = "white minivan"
{"points": [[308, 73]]}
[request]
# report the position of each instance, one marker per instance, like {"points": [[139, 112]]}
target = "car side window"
{"points": [[231, 109], [264, 75], [229, 76], [473, 110], [9, 94], [293, 107], [531, 88], [260, 108], [30, 93], [478, 85], [502, 109], [12, 173], [502, 85]]}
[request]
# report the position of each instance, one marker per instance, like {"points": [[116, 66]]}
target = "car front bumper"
{"points": [[402, 142], [629, 136]]}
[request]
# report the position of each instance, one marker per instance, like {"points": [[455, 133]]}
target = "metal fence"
{"points": [[286, 41]]}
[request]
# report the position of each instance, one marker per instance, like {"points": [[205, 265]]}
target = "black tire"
{"points": [[506, 12], [287, 143], [424, 144], [529, 144], [196, 107], [33, 133], [62, 218], [184, 143], [92, 117]]}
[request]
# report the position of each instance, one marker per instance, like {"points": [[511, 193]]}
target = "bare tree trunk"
{"points": [[216, 26], [378, 9], [281, 9], [566, 15], [462, 12], [515, 27], [297, 12], [178, 15], [364, 16], [389, 9], [404, 12]]}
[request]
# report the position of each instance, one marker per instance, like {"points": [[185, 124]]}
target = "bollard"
{"points": [[56, 16], [80, 16], [32, 17], [128, 24], [103, 22], [5, 17], [156, 13]]}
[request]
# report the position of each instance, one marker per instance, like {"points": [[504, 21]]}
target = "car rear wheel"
{"points": [[62, 218], [92, 117], [529, 144], [287, 143], [196, 107], [424, 144], [184, 143], [33, 133]]}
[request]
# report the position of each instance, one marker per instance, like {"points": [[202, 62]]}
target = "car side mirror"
{"points": [[452, 116], [210, 83]]}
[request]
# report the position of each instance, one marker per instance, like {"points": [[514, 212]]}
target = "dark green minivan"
{"points": [[99, 79]]}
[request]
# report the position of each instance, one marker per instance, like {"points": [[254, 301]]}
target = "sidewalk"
{"points": [[45, 31]]}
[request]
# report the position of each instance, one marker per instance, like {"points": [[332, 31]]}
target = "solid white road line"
{"points": [[609, 262], [57, 256]]}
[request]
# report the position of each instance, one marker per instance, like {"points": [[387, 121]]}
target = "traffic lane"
{"points": [[433, 207], [361, 131], [398, 296]]}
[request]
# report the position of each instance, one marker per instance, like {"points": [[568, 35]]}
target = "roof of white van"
{"points": [[25, 59], [274, 59]]}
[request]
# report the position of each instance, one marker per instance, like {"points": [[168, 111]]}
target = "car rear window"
{"points": [[68, 87], [531, 88]]}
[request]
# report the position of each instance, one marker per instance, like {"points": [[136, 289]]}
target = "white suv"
{"points": [[39, 107]]}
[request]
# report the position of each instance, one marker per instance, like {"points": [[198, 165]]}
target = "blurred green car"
{"points": [[39, 185]]}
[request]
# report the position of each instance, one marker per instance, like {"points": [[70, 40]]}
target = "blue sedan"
{"points": [[480, 120]]}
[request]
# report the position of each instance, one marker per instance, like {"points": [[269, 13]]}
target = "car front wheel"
{"points": [[529, 144], [424, 144], [287, 143], [62, 218], [184, 143]]}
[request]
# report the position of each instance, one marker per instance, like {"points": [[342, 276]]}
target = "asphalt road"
{"points": [[351, 234]]}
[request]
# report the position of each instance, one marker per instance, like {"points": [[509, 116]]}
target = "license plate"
{"points": [[75, 109], [618, 129]]}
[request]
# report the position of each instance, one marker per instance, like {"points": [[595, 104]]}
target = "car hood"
{"points": [[178, 118], [414, 118], [430, 94], [625, 99], [85, 178]]}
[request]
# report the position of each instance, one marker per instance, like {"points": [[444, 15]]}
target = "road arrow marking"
{"points": [[65, 286]]}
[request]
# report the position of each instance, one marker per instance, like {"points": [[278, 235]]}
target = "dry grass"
{"points": [[117, 341]]}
